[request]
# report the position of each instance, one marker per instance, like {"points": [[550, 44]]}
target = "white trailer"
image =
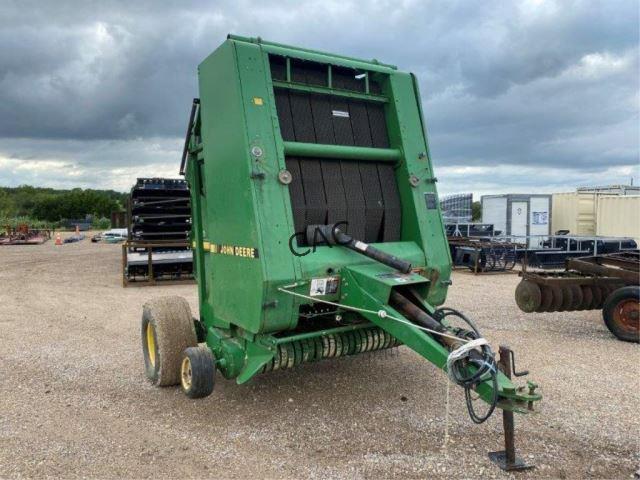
{"points": [[518, 215]]}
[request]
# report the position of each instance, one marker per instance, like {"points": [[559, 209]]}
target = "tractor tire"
{"points": [[621, 313], [197, 372], [167, 330]]}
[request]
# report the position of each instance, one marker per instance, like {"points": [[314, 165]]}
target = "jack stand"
{"points": [[507, 459]]}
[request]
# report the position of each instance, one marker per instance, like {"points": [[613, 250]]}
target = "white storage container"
{"points": [[518, 215]]}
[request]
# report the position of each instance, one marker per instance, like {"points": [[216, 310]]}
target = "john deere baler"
{"points": [[316, 226]]}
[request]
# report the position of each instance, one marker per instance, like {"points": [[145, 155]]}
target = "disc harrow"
{"points": [[560, 292], [608, 282]]}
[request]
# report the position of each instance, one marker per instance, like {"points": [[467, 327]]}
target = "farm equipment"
{"points": [[610, 282], [158, 249], [483, 255], [555, 250], [23, 235], [316, 229]]}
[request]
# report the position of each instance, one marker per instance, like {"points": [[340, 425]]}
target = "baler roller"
{"points": [[333, 345]]}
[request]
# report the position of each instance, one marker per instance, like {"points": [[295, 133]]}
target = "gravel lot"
{"points": [[74, 401]]}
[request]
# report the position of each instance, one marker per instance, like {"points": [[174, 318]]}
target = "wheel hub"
{"points": [[151, 345], [627, 315], [185, 373]]}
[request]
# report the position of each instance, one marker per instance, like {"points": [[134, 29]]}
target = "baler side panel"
{"points": [[231, 223], [275, 222], [419, 203]]}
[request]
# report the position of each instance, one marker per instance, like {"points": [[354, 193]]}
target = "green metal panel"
{"points": [[230, 218]]}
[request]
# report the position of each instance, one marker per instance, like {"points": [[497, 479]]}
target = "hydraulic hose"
{"points": [[332, 235], [461, 356], [484, 360]]}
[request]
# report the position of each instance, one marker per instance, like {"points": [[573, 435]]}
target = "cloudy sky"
{"points": [[522, 96]]}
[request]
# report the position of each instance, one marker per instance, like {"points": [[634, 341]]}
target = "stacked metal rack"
{"points": [[159, 219]]}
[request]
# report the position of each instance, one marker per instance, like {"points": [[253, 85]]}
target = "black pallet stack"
{"points": [[159, 210], [159, 213]]}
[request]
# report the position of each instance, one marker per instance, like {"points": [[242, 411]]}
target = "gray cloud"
{"points": [[548, 84]]}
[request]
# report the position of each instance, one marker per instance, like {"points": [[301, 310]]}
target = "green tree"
{"points": [[476, 211]]}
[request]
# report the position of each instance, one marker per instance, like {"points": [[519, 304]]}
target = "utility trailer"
{"points": [[317, 231], [555, 250], [610, 282]]}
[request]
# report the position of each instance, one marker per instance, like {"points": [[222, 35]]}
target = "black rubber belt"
{"points": [[302, 118], [354, 198], [334, 191], [296, 192], [365, 194], [392, 220], [341, 125], [378, 126], [284, 115], [321, 112], [360, 124], [314, 196], [373, 201]]}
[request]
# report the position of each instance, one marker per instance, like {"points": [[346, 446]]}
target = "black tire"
{"points": [[167, 329], [621, 312], [197, 372]]}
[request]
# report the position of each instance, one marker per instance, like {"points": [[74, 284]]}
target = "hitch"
{"points": [[507, 459]]}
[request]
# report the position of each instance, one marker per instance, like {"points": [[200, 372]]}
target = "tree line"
{"points": [[52, 205]]}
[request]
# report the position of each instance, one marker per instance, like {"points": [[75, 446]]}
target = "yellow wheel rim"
{"points": [[151, 345], [185, 373]]}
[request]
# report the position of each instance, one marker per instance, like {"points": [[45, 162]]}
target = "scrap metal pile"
{"points": [[158, 247], [23, 235], [609, 282]]}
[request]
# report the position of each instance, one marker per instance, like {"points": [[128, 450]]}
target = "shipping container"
{"points": [[614, 189], [518, 214], [619, 216], [575, 212]]}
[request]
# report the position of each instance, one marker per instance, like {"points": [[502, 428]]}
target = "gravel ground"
{"points": [[74, 401]]}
